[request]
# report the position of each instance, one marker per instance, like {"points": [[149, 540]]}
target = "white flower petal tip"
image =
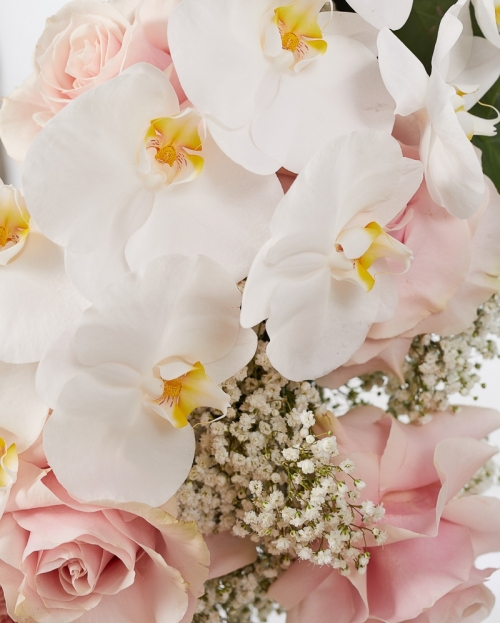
{"points": [[325, 275], [293, 79], [463, 69], [153, 347], [391, 14]]}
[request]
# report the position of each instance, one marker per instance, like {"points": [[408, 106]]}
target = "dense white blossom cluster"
{"points": [[436, 369]]}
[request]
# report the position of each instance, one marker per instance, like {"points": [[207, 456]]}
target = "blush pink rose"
{"points": [[62, 561], [83, 45], [455, 269], [426, 567]]}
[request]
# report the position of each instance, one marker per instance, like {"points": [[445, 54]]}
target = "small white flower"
{"points": [[307, 418], [328, 445], [255, 487], [291, 454], [347, 466], [307, 466], [310, 439]]}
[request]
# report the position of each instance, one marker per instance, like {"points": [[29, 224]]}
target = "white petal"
{"points": [[82, 167], [486, 18], [93, 271], [481, 71], [239, 146], [383, 13], [22, 412], [353, 26], [224, 214], [104, 445], [58, 365], [336, 94], [310, 340], [452, 169], [218, 55], [403, 74], [244, 349], [175, 306], [38, 301]]}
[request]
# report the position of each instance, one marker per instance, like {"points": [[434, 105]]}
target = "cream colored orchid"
{"points": [[154, 346], [277, 79], [122, 175], [324, 277], [463, 69], [38, 299]]}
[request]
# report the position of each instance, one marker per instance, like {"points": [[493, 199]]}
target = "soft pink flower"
{"points": [[62, 561], [433, 536], [85, 44], [455, 269]]}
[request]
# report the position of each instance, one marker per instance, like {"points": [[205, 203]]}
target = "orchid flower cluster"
{"points": [[236, 217]]}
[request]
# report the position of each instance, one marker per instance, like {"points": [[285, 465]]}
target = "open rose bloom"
{"points": [[246, 286]]}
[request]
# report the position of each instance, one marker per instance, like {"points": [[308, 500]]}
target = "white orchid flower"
{"points": [[391, 14], [488, 17], [22, 417], [324, 277], [154, 346], [277, 79], [124, 153], [463, 69], [37, 298]]}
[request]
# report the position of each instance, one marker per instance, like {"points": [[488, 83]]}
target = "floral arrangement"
{"points": [[254, 261]]}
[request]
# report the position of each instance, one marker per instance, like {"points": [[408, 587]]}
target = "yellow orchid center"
{"points": [[171, 391], [14, 223], [358, 248], [181, 395], [299, 30], [167, 155], [173, 143], [8, 463], [290, 41], [497, 13]]}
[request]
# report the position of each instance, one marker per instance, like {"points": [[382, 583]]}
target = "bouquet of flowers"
{"points": [[254, 258]]}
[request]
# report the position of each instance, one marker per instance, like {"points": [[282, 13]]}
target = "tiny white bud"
{"points": [[304, 432], [310, 438], [359, 484]]}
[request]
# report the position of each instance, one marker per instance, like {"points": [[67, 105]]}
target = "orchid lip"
{"points": [[172, 149], [175, 398], [358, 248]]}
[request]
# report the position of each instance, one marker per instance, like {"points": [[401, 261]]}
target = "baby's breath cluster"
{"points": [[240, 597], [263, 472], [437, 368]]}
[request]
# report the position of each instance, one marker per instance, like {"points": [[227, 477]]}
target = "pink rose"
{"points": [[426, 566], [455, 269], [85, 44], [61, 560]]}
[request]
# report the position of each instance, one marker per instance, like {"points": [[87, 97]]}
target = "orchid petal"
{"points": [[82, 167], [99, 436]]}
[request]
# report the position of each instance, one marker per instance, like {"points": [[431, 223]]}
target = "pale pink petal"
{"points": [[228, 553]]}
